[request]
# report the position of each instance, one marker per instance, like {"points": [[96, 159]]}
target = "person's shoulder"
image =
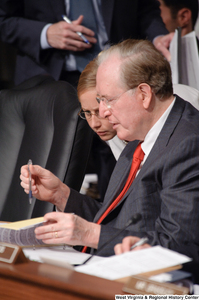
{"points": [[190, 116], [130, 148], [187, 104]]}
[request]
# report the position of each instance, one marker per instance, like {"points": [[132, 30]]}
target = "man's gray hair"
{"points": [[141, 63]]}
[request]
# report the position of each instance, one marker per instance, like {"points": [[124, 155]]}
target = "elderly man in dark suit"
{"points": [[134, 89], [44, 41]]}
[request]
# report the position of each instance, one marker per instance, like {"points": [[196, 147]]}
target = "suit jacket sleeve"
{"points": [[82, 205], [21, 24], [19, 29]]}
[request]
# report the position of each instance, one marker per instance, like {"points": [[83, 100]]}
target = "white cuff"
{"points": [[43, 38]]}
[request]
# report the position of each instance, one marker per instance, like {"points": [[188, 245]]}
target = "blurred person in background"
{"points": [[179, 13], [46, 44]]}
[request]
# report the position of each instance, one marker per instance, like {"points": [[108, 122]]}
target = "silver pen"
{"points": [[30, 182], [65, 18], [139, 243]]}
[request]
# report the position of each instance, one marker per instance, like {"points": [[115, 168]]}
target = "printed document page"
{"points": [[190, 60], [189, 64], [60, 255], [174, 58], [134, 263]]}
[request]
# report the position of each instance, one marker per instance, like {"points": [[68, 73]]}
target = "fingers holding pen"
{"points": [[131, 243], [126, 244], [45, 185], [64, 36], [25, 179], [38, 178]]}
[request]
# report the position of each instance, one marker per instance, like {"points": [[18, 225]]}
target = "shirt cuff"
{"points": [[43, 38]]}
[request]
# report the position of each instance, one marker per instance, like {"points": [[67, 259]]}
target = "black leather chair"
{"points": [[39, 121]]}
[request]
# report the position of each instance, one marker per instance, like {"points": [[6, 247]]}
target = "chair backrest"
{"points": [[39, 121], [188, 93]]}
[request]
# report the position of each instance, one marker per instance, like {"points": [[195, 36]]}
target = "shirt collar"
{"points": [[153, 133]]}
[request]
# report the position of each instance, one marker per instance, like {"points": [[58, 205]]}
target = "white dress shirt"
{"points": [[153, 133]]}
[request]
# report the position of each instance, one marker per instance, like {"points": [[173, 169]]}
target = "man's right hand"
{"points": [[45, 186], [63, 36], [127, 243]]}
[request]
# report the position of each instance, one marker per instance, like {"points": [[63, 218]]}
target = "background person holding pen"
{"points": [[157, 174], [46, 44]]}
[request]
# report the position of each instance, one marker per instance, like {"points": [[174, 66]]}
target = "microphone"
{"points": [[135, 218]]}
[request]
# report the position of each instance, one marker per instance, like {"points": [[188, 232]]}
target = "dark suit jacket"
{"points": [[21, 23], [165, 192]]}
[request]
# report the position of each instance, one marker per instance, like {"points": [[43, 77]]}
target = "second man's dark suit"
{"points": [[165, 192], [21, 23]]}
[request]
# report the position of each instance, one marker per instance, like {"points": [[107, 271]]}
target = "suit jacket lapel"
{"points": [[167, 130], [118, 177]]}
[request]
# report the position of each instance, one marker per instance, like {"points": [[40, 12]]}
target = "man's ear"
{"points": [[145, 92], [184, 16]]}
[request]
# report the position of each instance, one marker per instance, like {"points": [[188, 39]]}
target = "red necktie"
{"points": [[137, 159]]}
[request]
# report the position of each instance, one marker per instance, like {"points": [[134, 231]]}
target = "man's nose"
{"points": [[104, 112]]}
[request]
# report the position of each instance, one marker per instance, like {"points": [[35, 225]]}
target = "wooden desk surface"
{"points": [[32, 280]]}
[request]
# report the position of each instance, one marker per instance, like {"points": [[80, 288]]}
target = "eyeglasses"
{"points": [[86, 114], [110, 102]]}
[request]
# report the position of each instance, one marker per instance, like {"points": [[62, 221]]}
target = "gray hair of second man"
{"points": [[141, 63]]}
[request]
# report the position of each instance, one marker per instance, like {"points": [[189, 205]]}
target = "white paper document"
{"points": [[63, 256], [185, 60], [134, 263], [173, 49]]}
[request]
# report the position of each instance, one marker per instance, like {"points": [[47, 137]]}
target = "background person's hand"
{"points": [[63, 36], [162, 43]]}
